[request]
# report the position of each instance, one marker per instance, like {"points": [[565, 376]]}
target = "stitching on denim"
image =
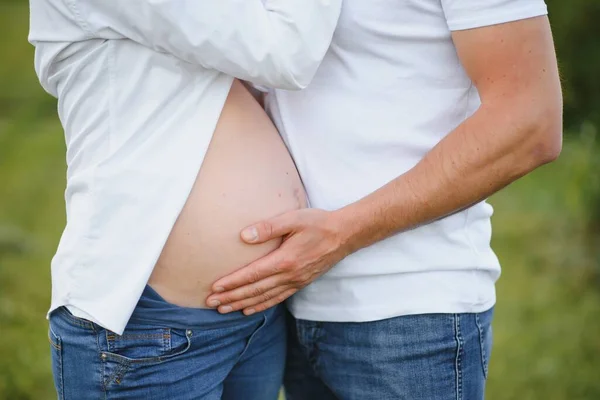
{"points": [[52, 335], [77, 321], [120, 373], [60, 378], [300, 328], [262, 325], [57, 347], [317, 333], [110, 356], [484, 362], [167, 345], [116, 376], [458, 363], [102, 366], [165, 338], [114, 337]]}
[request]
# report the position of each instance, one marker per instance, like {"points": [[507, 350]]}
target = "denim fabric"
{"points": [[236, 359], [417, 357]]}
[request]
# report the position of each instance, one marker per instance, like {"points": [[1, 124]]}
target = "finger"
{"points": [[273, 228], [247, 291], [254, 301], [271, 264], [277, 299]]}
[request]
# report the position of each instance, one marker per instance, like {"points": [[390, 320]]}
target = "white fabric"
{"points": [[140, 93], [389, 89]]}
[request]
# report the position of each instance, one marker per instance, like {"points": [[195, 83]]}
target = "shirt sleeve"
{"points": [[276, 43], [468, 14]]}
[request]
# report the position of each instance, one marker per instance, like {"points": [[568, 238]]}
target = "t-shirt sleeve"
{"points": [[468, 14]]}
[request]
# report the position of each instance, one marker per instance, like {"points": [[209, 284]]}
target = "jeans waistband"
{"points": [[152, 309]]}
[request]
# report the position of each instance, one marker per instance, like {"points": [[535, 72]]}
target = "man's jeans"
{"points": [[239, 360], [420, 357]]}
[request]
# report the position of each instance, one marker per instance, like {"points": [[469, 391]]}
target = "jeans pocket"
{"points": [[484, 326], [146, 345], [140, 348], [57, 361]]}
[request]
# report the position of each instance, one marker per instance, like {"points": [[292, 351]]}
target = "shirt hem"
{"points": [[380, 312]]}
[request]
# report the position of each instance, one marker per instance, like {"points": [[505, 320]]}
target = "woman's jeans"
{"points": [[234, 359]]}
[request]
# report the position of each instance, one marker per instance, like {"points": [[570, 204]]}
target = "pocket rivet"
{"points": [[103, 356], [188, 333]]}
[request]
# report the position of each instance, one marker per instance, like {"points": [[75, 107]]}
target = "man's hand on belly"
{"points": [[314, 241]]}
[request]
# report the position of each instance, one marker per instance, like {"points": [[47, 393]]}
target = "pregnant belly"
{"points": [[247, 175]]}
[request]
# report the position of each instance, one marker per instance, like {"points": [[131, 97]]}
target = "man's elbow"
{"points": [[546, 133]]}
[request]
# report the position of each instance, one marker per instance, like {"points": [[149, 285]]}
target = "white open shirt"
{"points": [[141, 84]]}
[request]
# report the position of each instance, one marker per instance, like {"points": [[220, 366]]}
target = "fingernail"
{"points": [[250, 311], [225, 309], [250, 234], [214, 303], [219, 289]]}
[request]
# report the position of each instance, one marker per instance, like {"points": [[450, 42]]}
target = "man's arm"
{"points": [[517, 128], [276, 43]]}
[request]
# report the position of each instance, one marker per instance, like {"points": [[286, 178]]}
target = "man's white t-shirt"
{"points": [[390, 88]]}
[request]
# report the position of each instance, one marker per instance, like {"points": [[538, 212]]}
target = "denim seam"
{"points": [[482, 345], [77, 321], [262, 325], [313, 351], [458, 363], [55, 346], [118, 376], [62, 375], [58, 347], [113, 337], [110, 356], [167, 342], [318, 333], [102, 366]]}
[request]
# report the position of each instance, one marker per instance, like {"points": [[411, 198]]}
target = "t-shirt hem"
{"points": [[381, 312], [514, 14]]}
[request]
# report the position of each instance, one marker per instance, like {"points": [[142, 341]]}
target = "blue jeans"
{"points": [[420, 357], [236, 359]]}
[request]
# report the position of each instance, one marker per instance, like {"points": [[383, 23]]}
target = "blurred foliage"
{"points": [[577, 37], [577, 33], [546, 230]]}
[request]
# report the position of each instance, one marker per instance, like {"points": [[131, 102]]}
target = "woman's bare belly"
{"points": [[247, 176]]}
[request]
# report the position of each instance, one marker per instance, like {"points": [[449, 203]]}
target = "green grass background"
{"points": [[547, 325]]}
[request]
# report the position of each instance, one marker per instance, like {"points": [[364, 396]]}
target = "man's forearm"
{"points": [[481, 156]]}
